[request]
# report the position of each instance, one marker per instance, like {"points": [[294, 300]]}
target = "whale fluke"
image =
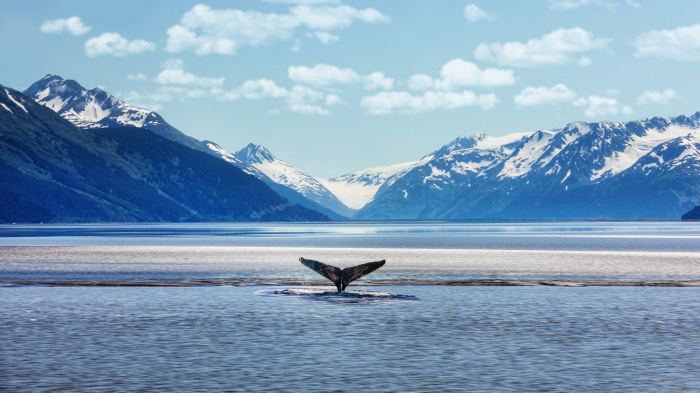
{"points": [[341, 278]]}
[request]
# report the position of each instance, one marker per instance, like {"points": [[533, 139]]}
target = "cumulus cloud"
{"points": [[323, 75], [136, 77], [208, 31], [177, 76], [680, 44], [299, 99], [536, 96], [302, 99], [556, 48], [459, 73], [327, 18], [113, 44], [474, 14], [324, 37], [420, 82], [262, 88], [596, 106], [377, 80], [657, 97], [73, 25], [389, 102]]}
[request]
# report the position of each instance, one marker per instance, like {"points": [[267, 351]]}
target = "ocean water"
{"points": [[227, 307]]}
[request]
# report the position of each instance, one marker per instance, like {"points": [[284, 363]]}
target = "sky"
{"points": [[334, 86]]}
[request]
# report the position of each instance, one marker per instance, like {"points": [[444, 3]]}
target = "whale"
{"points": [[342, 277]]}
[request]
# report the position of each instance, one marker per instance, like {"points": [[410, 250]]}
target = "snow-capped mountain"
{"points": [[282, 173], [356, 189], [98, 109], [558, 173]]}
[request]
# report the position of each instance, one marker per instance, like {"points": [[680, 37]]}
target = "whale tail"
{"points": [[342, 277]]}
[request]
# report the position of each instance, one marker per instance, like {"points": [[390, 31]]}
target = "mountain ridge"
{"points": [[53, 171], [481, 177]]}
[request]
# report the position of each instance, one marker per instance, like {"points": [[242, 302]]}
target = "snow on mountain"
{"points": [[282, 173], [98, 109], [358, 188], [479, 175], [13, 102]]}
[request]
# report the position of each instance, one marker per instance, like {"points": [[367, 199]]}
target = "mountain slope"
{"points": [[284, 174], [358, 188], [91, 109], [581, 171], [53, 170], [98, 109]]}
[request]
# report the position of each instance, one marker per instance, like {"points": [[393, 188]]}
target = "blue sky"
{"points": [[336, 86]]}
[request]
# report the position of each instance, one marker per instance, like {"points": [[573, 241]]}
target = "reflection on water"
{"points": [[620, 236], [226, 332], [331, 295]]}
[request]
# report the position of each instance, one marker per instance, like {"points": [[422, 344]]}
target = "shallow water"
{"points": [[224, 336], [450, 339]]}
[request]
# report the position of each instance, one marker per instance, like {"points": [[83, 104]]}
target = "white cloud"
{"points": [[474, 14], [324, 37], [597, 106], [262, 88], [634, 4], [573, 4], [680, 44], [72, 25], [300, 99], [134, 98], [327, 18], [377, 80], [420, 82], [115, 45], [170, 93], [136, 77], [459, 73], [657, 97], [556, 48], [535, 96], [388, 102], [177, 76], [152, 99], [322, 75], [333, 99], [207, 31], [173, 63]]}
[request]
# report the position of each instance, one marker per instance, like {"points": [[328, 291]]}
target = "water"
{"points": [[403, 328]]}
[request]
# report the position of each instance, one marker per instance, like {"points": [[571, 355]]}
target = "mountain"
{"points": [[284, 174], [90, 109], [358, 188], [642, 169], [98, 109], [52, 171]]}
